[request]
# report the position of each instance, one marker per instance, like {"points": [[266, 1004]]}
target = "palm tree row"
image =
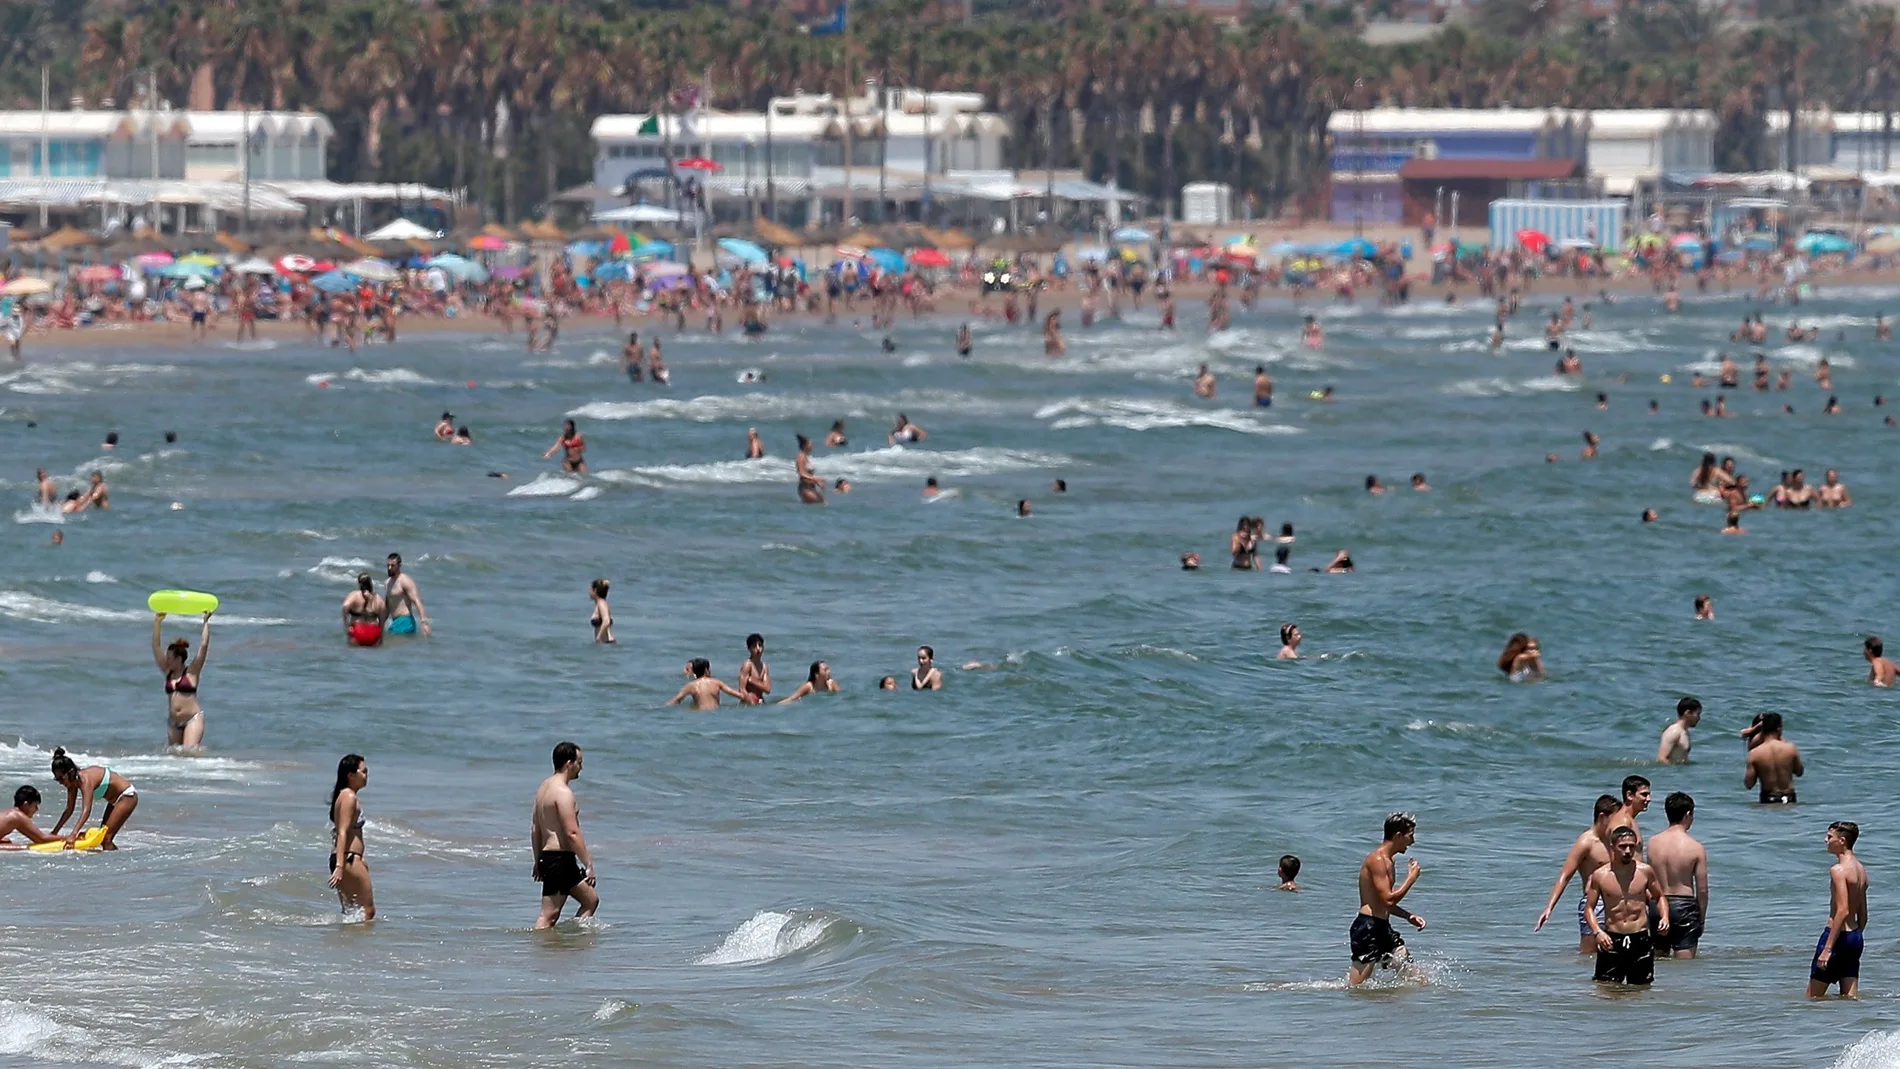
{"points": [[497, 98]]}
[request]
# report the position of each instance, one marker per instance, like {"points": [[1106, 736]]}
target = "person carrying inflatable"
{"points": [[185, 719], [94, 783], [363, 613]]}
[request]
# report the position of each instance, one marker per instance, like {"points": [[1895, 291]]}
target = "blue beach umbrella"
{"points": [[187, 269], [1132, 234], [1355, 247], [332, 282], [744, 251], [461, 268], [1819, 243], [1759, 243], [615, 271], [889, 259], [1282, 249]]}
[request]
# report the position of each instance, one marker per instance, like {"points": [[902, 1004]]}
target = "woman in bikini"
{"points": [[1242, 545], [575, 460], [349, 873], [1522, 659], [818, 682], [1290, 642], [811, 490], [603, 618], [94, 783], [186, 722]]}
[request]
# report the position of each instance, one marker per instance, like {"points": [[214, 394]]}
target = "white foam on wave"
{"points": [[547, 485], [1661, 444], [768, 936], [395, 376], [1139, 415], [1503, 387], [763, 406], [1739, 452], [1875, 1050], [31, 1033], [586, 493], [893, 462], [99, 577], [39, 514], [1810, 356], [23, 758], [338, 569], [32, 608]]}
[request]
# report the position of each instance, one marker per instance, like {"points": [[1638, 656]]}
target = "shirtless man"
{"points": [[755, 679], [402, 602], [1635, 801], [363, 613], [1832, 493], [1372, 939], [1837, 955], [1674, 747], [754, 449], [26, 805], [1683, 867], [1204, 383], [200, 303], [445, 427], [1625, 887], [98, 496], [562, 862], [49, 490], [703, 688], [1262, 387], [1772, 761], [631, 355], [1590, 852], [1880, 670], [926, 676]]}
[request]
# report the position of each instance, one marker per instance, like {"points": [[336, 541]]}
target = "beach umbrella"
{"points": [[1577, 243], [254, 266], [1355, 247], [372, 270], [669, 282], [654, 247], [698, 163], [620, 244], [332, 282], [928, 257], [744, 251], [665, 269], [510, 273], [888, 259], [203, 259], [461, 268], [615, 271], [587, 250], [1533, 240], [26, 286], [1091, 254], [400, 230], [1759, 243], [1282, 249], [296, 264], [1683, 241], [1133, 234], [151, 261], [850, 252], [195, 282], [488, 243], [187, 269], [97, 273], [1884, 246], [1821, 243]]}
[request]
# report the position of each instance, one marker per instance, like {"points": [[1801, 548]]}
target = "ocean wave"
{"points": [[1875, 1050], [547, 485], [26, 1031], [338, 569], [22, 757], [395, 376], [759, 406], [32, 608], [771, 936], [1503, 387], [893, 462], [99, 577], [1136, 415], [1810, 356], [39, 514]]}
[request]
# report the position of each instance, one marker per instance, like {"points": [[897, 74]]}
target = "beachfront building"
{"points": [[1394, 165], [285, 145], [81, 143], [1630, 150], [906, 143], [1866, 141], [1813, 140]]}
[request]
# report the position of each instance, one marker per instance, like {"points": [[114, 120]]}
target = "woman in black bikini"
{"points": [[810, 489], [185, 723], [603, 618], [349, 873]]}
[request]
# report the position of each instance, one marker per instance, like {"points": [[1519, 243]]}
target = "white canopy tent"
{"points": [[401, 230], [640, 213]]}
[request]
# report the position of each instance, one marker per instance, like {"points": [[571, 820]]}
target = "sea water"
{"points": [[1064, 859]]}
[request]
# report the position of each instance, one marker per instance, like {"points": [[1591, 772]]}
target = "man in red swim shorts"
{"points": [[363, 613]]}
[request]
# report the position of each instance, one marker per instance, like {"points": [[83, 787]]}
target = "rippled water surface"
{"points": [[1065, 860]]}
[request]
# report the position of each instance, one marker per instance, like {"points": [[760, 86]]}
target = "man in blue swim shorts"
{"points": [[402, 602], [1837, 955]]}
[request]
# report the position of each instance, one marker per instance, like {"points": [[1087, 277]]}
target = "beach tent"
{"points": [[1355, 247], [400, 230], [639, 213], [928, 257], [1822, 243]]}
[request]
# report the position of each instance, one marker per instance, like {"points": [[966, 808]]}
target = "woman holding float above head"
{"points": [[94, 783], [185, 722]]}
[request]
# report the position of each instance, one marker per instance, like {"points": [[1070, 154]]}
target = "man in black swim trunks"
{"points": [[1773, 762], [1626, 886], [1373, 941], [1682, 865], [561, 860]]}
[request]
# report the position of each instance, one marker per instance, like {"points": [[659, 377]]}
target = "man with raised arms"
{"points": [[1624, 888], [1674, 747], [1373, 941], [561, 860], [1589, 853], [1837, 955], [1682, 865]]}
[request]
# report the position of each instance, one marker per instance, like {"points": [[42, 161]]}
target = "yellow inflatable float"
{"points": [[88, 841], [182, 602]]}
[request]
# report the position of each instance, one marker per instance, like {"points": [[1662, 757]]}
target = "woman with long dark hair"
{"points": [[349, 873], [185, 718], [94, 783]]}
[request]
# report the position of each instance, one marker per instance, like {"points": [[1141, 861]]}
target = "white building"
{"points": [[1814, 139], [285, 145], [906, 141], [1862, 141], [198, 145], [1636, 147]]}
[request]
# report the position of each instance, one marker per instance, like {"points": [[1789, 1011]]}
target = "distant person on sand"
{"points": [[562, 863], [1372, 940]]}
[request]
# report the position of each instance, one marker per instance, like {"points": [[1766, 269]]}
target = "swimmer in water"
{"points": [[926, 676], [631, 356], [97, 496], [573, 447], [462, 437], [1311, 335], [445, 428], [1832, 493], [1262, 387], [1190, 562], [1704, 607], [1419, 483], [26, 806], [49, 490], [1374, 486], [349, 872], [1373, 942], [1289, 642], [1022, 509], [1880, 670], [754, 449], [363, 613], [964, 341], [1772, 763], [1590, 442], [755, 678], [818, 681], [1649, 516], [1673, 748], [1682, 865], [402, 601], [1522, 659], [1837, 954], [842, 486], [185, 718], [931, 489], [94, 783], [1204, 383], [1289, 873], [810, 489], [1733, 524], [1052, 343], [703, 688], [887, 683], [834, 438], [602, 621], [1340, 564], [904, 431], [562, 863]]}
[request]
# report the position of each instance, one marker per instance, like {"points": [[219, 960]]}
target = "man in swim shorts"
{"points": [[1624, 888], [562, 862], [1372, 939], [1262, 387], [1683, 867], [1589, 853], [1837, 955], [402, 602], [1773, 762], [363, 613]]}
